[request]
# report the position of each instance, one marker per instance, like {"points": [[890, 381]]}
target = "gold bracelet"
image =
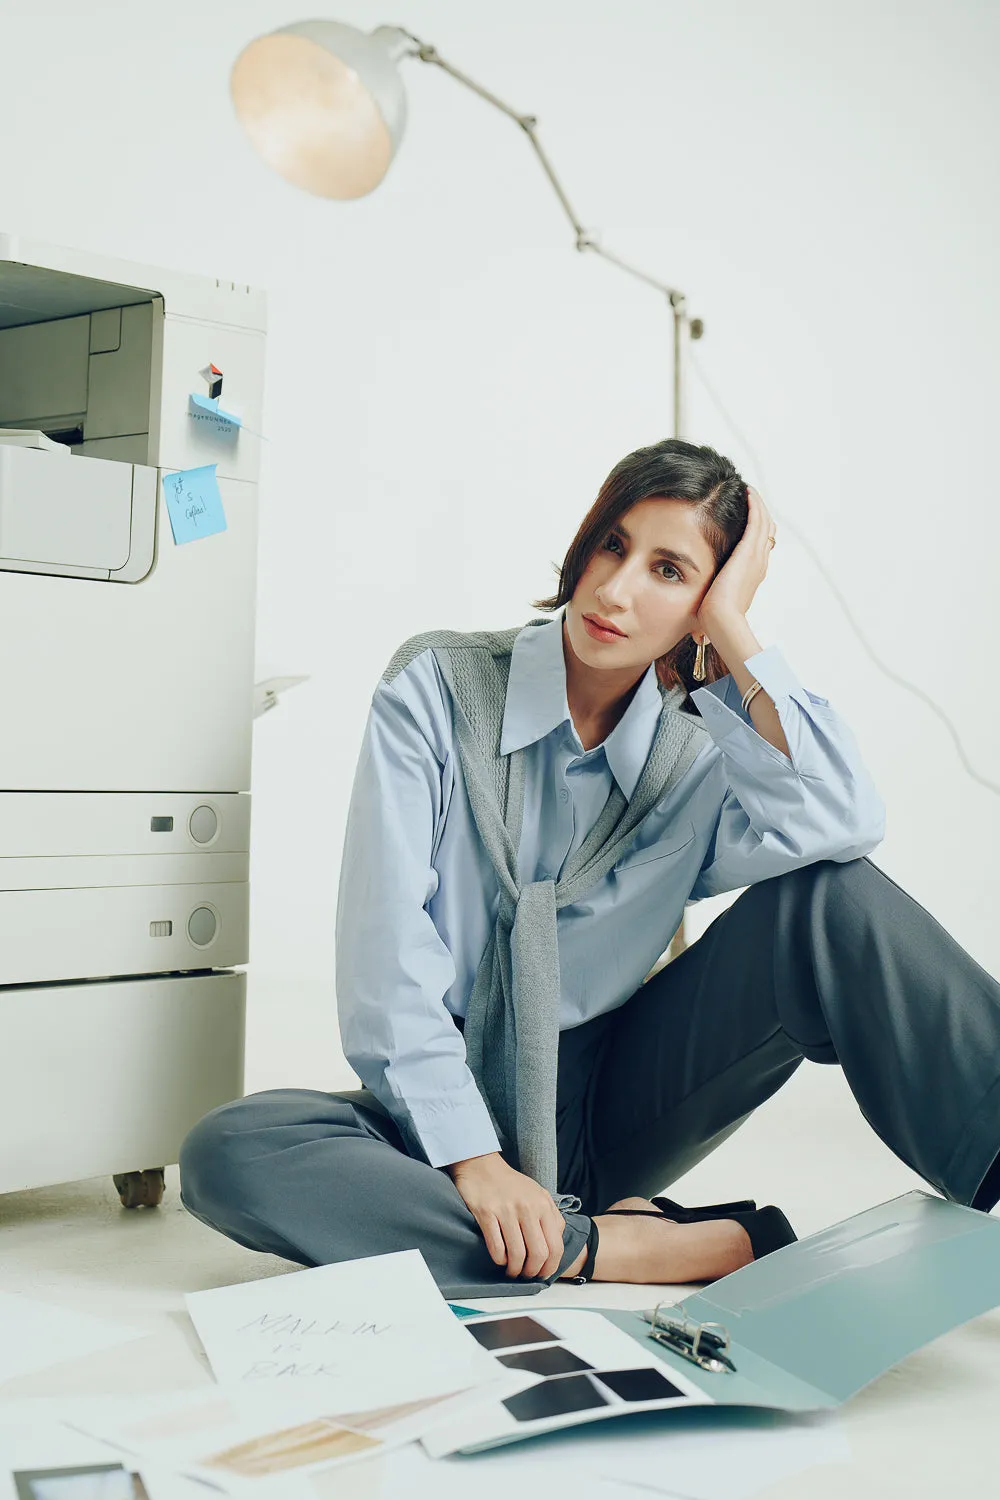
{"points": [[750, 695]]}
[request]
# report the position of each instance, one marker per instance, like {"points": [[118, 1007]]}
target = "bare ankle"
{"points": [[655, 1251], [576, 1268]]}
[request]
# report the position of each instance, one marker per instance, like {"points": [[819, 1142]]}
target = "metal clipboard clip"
{"points": [[704, 1344]]}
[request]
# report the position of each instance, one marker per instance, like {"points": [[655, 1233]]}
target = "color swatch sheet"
{"points": [[575, 1367]]}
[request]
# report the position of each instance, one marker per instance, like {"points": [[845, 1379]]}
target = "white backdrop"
{"points": [[449, 382]]}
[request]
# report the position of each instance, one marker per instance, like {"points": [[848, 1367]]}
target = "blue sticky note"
{"points": [[206, 411], [194, 503]]}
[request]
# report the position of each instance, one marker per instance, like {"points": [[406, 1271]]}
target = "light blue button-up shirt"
{"points": [[418, 895]]}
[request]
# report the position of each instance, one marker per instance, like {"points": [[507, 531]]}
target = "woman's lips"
{"points": [[599, 633]]}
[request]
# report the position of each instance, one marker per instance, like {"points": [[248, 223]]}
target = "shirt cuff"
{"points": [[454, 1129], [720, 703]]}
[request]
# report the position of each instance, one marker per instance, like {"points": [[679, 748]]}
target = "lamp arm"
{"points": [[585, 239], [404, 43]]}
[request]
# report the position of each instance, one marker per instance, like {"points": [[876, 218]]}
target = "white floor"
{"points": [[928, 1427]]}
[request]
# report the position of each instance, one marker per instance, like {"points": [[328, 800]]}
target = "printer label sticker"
{"points": [[209, 414], [194, 503]]}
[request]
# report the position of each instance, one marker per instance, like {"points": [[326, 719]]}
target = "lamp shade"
{"points": [[323, 104]]}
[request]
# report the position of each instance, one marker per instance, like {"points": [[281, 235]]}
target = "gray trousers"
{"points": [[833, 962]]}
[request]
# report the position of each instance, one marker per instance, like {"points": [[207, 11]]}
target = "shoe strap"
{"points": [[593, 1240], [705, 1210]]}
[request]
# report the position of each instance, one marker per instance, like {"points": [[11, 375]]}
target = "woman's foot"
{"points": [[659, 1252]]}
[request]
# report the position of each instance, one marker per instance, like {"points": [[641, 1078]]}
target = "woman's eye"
{"points": [[614, 541]]}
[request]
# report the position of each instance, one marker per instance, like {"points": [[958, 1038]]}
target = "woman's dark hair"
{"points": [[671, 470]]}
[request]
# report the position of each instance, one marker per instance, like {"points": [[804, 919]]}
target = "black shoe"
{"points": [[767, 1228]]}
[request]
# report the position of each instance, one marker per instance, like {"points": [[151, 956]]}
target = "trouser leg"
{"points": [[833, 962], [318, 1178], [683, 1064], [865, 973]]}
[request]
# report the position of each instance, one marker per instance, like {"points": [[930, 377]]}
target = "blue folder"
{"points": [[811, 1324]]}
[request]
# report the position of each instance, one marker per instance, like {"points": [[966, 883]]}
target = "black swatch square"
{"points": [[555, 1359], [646, 1384], [555, 1398], [505, 1333]]}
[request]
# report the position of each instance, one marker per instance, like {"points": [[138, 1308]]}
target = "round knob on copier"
{"points": [[203, 824], [202, 926]]}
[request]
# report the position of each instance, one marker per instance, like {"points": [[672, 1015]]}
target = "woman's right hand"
{"points": [[519, 1220]]}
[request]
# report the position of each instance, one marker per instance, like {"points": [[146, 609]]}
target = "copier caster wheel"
{"points": [[140, 1189]]}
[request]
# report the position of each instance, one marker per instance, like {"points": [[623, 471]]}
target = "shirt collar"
{"points": [[537, 704]]}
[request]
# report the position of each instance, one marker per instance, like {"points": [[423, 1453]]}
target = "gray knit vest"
{"points": [[512, 1017]]}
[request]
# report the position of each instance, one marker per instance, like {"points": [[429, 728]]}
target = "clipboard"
{"points": [[811, 1324]]}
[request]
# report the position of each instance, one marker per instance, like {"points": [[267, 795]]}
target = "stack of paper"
{"points": [[314, 1369]]}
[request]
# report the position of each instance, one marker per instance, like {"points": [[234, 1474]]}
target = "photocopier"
{"points": [[126, 710]]}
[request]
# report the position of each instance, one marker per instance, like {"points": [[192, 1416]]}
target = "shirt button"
{"points": [[564, 795]]}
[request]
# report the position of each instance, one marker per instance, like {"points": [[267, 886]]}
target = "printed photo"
{"points": [[89, 1482]]}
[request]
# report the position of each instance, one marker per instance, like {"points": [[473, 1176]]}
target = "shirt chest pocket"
{"points": [[673, 842]]}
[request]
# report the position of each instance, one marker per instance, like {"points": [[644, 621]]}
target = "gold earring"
{"points": [[699, 661]]}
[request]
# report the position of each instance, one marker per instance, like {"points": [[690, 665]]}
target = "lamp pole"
{"points": [[404, 42]]}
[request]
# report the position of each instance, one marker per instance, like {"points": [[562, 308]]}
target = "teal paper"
{"points": [[206, 411], [194, 503]]}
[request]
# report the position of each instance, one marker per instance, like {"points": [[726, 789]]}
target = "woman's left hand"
{"points": [[736, 583]]}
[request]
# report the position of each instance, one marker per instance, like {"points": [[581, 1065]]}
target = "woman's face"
{"points": [[647, 578]]}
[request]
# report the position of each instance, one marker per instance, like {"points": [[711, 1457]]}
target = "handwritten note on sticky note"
{"points": [[194, 503], [206, 411]]}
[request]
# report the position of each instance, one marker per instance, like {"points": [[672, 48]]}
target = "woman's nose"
{"points": [[615, 592]]}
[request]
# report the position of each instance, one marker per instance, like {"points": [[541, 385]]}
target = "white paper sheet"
{"points": [[408, 1474], [729, 1455], [36, 1334], [28, 1441], [371, 1333], [709, 1454], [32, 1436], [250, 1437]]}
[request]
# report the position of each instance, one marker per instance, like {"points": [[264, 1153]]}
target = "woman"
{"points": [[531, 811]]}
